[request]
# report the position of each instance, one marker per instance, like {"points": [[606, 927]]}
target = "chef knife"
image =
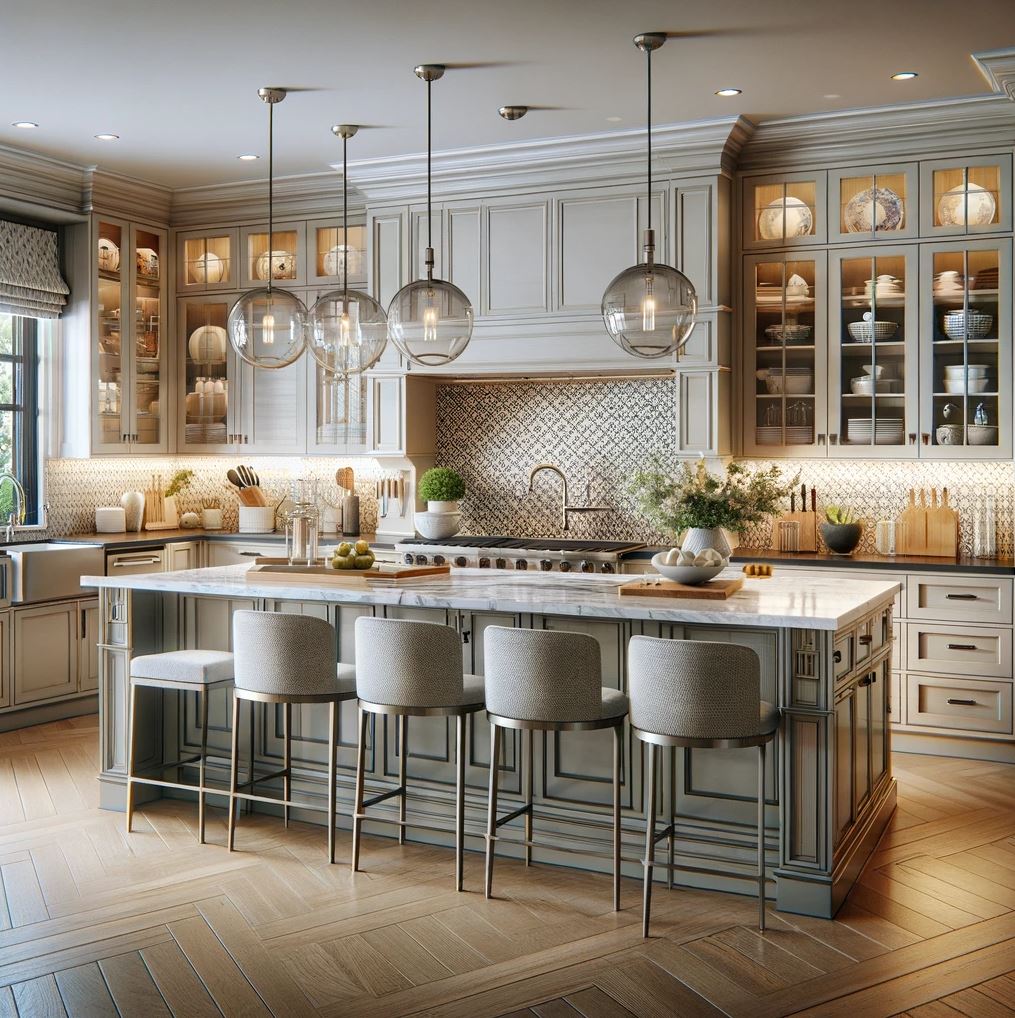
{"points": [[792, 501], [814, 499], [803, 498]]}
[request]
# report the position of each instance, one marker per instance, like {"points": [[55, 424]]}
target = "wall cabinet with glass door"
{"points": [[328, 254], [288, 262], [207, 260], [784, 355], [966, 372], [337, 412], [130, 376], [962, 197], [784, 210], [873, 381], [873, 204]]}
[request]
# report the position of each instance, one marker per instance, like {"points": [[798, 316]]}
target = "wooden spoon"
{"points": [[344, 478], [234, 479]]}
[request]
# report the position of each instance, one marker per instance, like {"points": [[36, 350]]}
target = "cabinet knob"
{"points": [[926, 438], [837, 657], [912, 438], [821, 438], [833, 439]]}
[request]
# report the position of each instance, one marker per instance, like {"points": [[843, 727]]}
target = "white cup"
{"points": [[211, 519]]}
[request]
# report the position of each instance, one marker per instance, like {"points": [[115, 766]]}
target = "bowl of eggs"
{"points": [[688, 567]]}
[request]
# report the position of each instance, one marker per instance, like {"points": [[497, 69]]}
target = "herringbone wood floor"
{"points": [[94, 922]]}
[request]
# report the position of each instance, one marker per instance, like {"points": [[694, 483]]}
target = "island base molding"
{"points": [[992, 750]]}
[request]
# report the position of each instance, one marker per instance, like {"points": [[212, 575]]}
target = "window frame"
{"points": [[25, 360]]}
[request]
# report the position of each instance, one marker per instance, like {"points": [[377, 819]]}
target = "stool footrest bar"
{"points": [[382, 796], [514, 814]]}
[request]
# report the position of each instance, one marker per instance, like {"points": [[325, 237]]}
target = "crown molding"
{"points": [[118, 194], [893, 132], [36, 185], [998, 67]]}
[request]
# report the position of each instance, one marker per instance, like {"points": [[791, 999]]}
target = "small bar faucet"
{"points": [[565, 509], [17, 517]]}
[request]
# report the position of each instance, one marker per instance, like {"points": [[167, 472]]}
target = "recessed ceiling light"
{"points": [[614, 120], [832, 95], [26, 125], [729, 92], [904, 75], [248, 158], [107, 137]]}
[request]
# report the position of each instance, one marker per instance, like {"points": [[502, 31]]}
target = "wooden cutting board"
{"points": [[714, 590], [278, 570], [942, 527], [911, 528]]}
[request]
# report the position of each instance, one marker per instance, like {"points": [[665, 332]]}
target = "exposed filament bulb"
{"points": [[431, 318], [268, 329]]}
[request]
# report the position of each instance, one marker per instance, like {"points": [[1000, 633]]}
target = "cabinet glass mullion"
{"points": [[112, 396], [207, 375], [149, 404]]}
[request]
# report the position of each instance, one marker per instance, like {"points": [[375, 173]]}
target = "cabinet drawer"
{"points": [[969, 705], [842, 655], [959, 650], [129, 563], [898, 646], [895, 687], [864, 640], [960, 599]]}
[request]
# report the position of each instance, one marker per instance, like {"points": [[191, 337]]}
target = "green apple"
{"points": [[343, 549], [362, 548], [364, 561]]}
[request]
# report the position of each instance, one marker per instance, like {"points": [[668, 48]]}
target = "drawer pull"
{"points": [[865, 641], [961, 703], [961, 597], [962, 646], [837, 657], [136, 562]]}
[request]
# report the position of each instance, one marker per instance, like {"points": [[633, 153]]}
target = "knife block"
{"points": [[808, 530]]}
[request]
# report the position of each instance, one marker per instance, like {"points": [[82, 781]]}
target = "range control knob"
{"points": [[565, 566], [460, 561], [586, 566], [502, 563], [421, 560], [545, 564], [521, 564], [484, 563], [607, 567], [407, 559], [439, 560]]}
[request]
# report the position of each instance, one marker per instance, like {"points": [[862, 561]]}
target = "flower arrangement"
{"points": [[693, 497]]}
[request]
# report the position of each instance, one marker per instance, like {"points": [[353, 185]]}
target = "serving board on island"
{"points": [[713, 590], [280, 570], [825, 650]]}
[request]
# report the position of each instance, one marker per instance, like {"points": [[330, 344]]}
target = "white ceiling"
{"points": [[177, 79]]}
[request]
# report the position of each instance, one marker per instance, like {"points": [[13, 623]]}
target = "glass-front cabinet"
{"points": [[207, 375], [206, 260], [873, 352], [338, 409], [328, 254], [784, 211], [785, 353], [967, 367], [966, 197], [868, 204], [131, 394], [287, 262]]}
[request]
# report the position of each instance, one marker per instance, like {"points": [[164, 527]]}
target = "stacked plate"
{"points": [[795, 435], [883, 431]]}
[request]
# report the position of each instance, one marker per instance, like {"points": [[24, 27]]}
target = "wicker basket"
{"points": [[872, 332]]}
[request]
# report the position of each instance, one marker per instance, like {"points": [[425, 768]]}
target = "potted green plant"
{"points": [[840, 530], [704, 506], [442, 488]]}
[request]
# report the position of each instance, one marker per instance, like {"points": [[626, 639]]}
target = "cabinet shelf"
{"points": [[788, 347]]}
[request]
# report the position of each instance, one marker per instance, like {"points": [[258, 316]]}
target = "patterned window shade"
{"points": [[30, 281]]}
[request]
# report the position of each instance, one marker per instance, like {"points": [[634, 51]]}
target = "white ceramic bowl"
{"points": [[967, 370], [960, 386], [982, 434], [438, 526], [691, 575], [874, 370]]}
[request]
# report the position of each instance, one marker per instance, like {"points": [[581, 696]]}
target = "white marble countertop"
{"points": [[812, 602]]}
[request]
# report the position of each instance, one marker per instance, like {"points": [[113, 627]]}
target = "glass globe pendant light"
{"points": [[347, 330], [649, 309], [430, 320], [267, 326]]}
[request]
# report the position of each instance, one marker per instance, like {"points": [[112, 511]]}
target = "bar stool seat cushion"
{"points": [[194, 666], [615, 703]]}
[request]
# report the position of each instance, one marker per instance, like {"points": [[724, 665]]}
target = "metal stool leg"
{"points": [[673, 816], [650, 830], [528, 736], [618, 738], [357, 821], [491, 817], [761, 837], [403, 753], [131, 753], [332, 775], [250, 802], [234, 764], [202, 765], [459, 805], [287, 781]]}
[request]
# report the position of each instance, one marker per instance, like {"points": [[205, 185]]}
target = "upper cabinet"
{"points": [[130, 359], [287, 262], [785, 210], [329, 257], [208, 378], [873, 203], [207, 260], [966, 197]]}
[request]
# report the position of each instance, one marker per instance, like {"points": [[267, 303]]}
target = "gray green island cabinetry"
{"points": [[825, 646]]}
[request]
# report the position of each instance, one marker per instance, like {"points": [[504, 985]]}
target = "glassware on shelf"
{"points": [[985, 529], [884, 540], [789, 535], [303, 522]]}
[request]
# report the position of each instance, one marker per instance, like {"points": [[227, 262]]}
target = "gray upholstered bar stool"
{"points": [[547, 681], [411, 669], [694, 694], [182, 671], [287, 659]]}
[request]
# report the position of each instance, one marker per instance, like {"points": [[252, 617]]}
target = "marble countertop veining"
{"points": [[781, 601]]}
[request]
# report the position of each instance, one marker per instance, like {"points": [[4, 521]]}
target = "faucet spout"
{"points": [[560, 473]]}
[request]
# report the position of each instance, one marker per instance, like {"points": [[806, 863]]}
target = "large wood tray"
{"points": [[278, 570], [714, 590]]}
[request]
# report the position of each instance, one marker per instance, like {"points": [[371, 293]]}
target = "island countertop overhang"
{"points": [[777, 601]]}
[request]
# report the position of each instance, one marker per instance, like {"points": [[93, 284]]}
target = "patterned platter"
{"points": [[785, 217], [967, 204], [876, 209]]}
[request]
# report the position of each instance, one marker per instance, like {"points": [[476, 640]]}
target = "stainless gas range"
{"points": [[534, 553]]}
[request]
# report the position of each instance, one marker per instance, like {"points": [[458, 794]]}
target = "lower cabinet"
{"points": [[55, 650], [5, 659]]}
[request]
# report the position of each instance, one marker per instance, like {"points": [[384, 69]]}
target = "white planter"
{"points": [[438, 526], [442, 507], [699, 538]]}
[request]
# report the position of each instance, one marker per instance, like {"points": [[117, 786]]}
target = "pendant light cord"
{"points": [[345, 220], [429, 158], [271, 193], [648, 120]]}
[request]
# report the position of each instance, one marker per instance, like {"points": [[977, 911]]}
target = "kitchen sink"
{"points": [[45, 571]]}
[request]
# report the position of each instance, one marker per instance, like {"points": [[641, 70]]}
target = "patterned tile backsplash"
{"points": [[597, 431]]}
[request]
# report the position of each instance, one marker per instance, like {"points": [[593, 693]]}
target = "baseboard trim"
{"points": [[29, 717]]}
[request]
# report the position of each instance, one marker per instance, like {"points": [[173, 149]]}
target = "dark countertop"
{"points": [[151, 538]]}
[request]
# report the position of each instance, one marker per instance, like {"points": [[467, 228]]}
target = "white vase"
{"points": [[133, 509], [442, 507], [699, 538]]}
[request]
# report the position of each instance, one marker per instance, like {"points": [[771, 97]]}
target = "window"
{"points": [[19, 413]]}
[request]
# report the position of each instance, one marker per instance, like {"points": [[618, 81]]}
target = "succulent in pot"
{"points": [[442, 488], [841, 531]]}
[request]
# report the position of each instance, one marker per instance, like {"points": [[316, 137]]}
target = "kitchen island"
{"points": [[825, 650]]}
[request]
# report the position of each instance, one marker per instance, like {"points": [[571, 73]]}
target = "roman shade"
{"points": [[30, 281]]}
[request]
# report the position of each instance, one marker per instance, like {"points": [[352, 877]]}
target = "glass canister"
{"points": [[985, 529], [303, 523]]}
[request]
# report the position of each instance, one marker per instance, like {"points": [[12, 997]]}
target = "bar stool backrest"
{"points": [[694, 689], [542, 675], [408, 664], [284, 655]]}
